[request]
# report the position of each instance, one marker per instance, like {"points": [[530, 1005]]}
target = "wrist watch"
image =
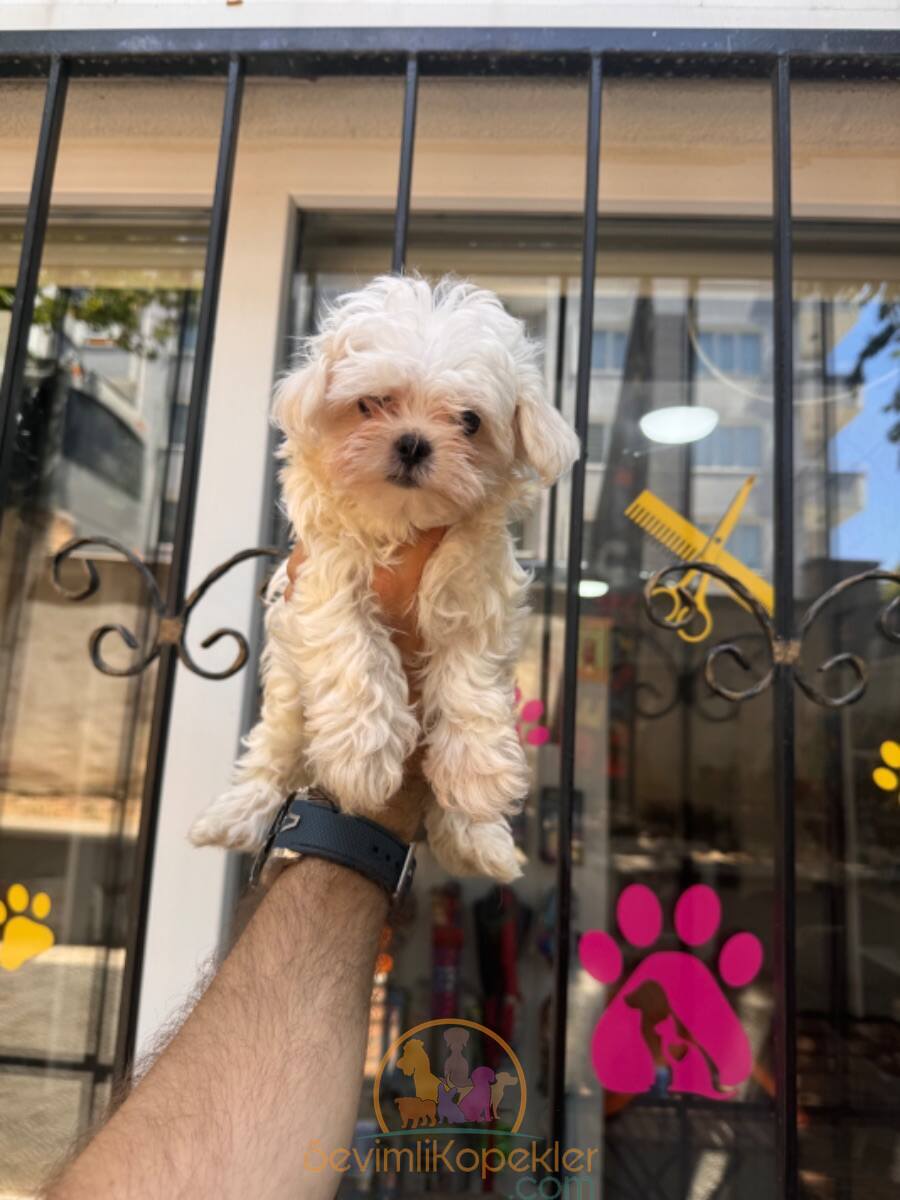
{"points": [[310, 823]]}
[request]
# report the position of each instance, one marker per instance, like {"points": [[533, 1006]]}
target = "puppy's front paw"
{"points": [[481, 775], [239, 819], [466, 847]]}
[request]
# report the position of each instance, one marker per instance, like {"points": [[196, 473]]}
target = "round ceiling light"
{"points": [[679, 424], [592, 589]]}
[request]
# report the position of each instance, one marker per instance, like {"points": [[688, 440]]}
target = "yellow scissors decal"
{"points": [[677, 534]]}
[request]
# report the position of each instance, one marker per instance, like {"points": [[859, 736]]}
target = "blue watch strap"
{"points": [[306, 826]]}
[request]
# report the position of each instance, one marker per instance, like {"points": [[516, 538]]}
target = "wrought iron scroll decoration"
{"points": [[652, 702], [171, 629], [781, 651]]}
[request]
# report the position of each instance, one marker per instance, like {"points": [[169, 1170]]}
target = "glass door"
{"points": [[97, 454], [669, 1072]]}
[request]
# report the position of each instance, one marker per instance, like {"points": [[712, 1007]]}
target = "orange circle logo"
{"points": [[452, 1094]]}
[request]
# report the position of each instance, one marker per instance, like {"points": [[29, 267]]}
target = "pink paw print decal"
{"points": [[670, 1017], [530, 713]]}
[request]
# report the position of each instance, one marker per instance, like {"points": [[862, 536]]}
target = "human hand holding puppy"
{"points": [[418, 409], [414, 432], [396, 587]]}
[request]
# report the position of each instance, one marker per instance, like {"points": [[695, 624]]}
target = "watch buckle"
{"points": [[276, 860], [263, 852], [404, 883]]}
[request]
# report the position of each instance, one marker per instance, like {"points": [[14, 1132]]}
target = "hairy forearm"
{"points": [[267, 1062]]}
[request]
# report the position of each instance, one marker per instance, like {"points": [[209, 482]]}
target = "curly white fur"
{"points": [[451, 369]]}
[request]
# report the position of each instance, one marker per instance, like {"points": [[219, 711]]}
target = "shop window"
{"points": [[731, 446], [653, 769], [734, 353], [596, 442], [94, 447], [609, 347], [100, 441]]}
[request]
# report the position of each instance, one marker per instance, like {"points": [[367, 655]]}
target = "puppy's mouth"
{"points": [[405, 478]]}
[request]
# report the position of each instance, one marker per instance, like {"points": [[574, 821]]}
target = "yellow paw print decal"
{"points": [[24, 937], [888, 776]]}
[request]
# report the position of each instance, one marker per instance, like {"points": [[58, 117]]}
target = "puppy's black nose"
{"points": [[412, 449]]}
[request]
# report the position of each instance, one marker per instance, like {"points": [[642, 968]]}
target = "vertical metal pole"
{"points": [[783, 705], [687, 508], [29, 266], [178, 573], [552, 505], [687, 1128], [404, 182], [837, 749], [573, 578]]}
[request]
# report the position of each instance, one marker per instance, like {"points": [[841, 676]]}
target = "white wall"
{"points": [[141, 14]]}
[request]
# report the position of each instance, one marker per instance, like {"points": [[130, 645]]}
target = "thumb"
{"points": [[294, 563]]}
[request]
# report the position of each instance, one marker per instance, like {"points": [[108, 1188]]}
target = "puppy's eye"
{"points": [[369, 404], [470, 422]]}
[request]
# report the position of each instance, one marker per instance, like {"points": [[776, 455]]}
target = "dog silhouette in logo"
{"points": [[476, 1104], [671, 1012], [415, 1112], [448, 1111], [414, 1061], [456, 1066], [498, 1087], [669, 1041]]}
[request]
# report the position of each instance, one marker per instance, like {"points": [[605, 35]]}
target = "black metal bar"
{"points": [[178, 574], [404, 182], [12, 384], [836, 749], [89, 1065], [549, 592], [573, 577], [442, 49], [691, 309], [209, 304], [783, 578]]}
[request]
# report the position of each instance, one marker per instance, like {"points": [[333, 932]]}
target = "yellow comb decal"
{"points": [[677, 534], [666, 526]]}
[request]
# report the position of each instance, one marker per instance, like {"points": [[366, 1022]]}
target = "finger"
{"points": [[402, 581], [417, 553], [294, 564], [396, 586]]}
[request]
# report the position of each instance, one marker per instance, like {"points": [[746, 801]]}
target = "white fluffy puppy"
{"points": [[416, 407]]}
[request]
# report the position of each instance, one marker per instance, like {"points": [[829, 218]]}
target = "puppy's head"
{"points": [[422, 404]]}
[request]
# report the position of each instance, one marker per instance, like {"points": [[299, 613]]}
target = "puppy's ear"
{"points": [[299, 398], [543, 439]]}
